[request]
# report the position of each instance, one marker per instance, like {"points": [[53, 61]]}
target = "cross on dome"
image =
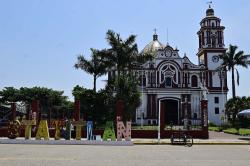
{"points": [[155, 36]]}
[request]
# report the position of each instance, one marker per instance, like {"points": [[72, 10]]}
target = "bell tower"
{"points": [[213, 78], [211, 45]]}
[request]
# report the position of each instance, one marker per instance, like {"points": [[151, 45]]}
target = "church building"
{"points": [[172, 79]]}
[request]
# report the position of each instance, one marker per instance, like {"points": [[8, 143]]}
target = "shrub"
{"points": [[211, 124]]}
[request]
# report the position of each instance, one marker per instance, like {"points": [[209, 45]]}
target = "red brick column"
{"points": [[204, 118], [119, 108], [13, 110], [35, 108], [77, 110]]}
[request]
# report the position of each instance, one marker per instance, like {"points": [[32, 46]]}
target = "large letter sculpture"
{"points": [[58, 125], [89, 130], [78, 125], [43, 130], [28, 125], [109, 132], [13, 129], [68, 130], [122, 131]]}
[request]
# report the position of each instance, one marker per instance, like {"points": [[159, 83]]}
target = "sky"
{"points": [[41, 39]]}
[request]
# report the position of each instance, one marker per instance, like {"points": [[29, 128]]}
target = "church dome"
{"points": [[153, 46], [210, 11]]}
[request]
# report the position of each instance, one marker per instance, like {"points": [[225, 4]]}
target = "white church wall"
{"points": [[213, 65], [195, 104], [212, 116], [168, 95], [142, 107], [216, 79]]}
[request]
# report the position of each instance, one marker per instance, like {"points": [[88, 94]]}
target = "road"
{"points": [[145, 155]]}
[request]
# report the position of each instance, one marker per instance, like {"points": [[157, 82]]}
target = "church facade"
{"points": [[174, 81]]}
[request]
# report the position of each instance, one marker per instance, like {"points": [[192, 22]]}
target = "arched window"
{"points": [[168, 82], [142, 80], [194, 81], [214, 41], [195, 116]]}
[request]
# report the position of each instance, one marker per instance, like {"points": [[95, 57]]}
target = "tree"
{"points": [[124, 58], [234, 106], [51, 101], [231, 60], [127, 91], [121, 57], [9, 94], [95, 105], [123, 54], [95, 66]]}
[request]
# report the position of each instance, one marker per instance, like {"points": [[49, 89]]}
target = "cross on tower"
{"points": [[209, 3]]}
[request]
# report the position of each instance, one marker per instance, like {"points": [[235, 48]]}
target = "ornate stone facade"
{"points": [[181, 84]]}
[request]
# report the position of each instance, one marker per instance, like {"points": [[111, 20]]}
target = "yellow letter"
{"points": [[28, 125], [78, 125], [43, 130]]}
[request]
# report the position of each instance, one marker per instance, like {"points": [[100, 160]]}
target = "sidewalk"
{"points": [[215, 138], [196, 142]]}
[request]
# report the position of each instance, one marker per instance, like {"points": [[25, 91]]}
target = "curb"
{"points": [[195, 143]]}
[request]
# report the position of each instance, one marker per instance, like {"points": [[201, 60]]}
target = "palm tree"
{"points": [[95, 66], [122, 53], [123, 56], [231, 59]]}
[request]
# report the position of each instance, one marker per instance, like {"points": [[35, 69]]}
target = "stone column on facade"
{"points": [[185, 120]]}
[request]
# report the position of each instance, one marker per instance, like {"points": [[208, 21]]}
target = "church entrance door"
{"points": [[171, 111]]}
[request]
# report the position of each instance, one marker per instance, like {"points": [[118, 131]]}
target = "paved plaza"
{"points": [[153, 155]]}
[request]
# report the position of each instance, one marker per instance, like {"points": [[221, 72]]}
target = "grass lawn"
{"points": [[231, 131], [214, 128], [244, 131], [234, 131], [145, 128]]}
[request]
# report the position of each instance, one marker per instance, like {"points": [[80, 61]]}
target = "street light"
{"points": [[141, 96], [159, 121]]}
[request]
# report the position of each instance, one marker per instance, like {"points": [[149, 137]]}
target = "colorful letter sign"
{"points": [[122, 131], [13, 129], [28, 125], [78, 125], [68, 130], [57, 124], [109, 132], [43, 130]]}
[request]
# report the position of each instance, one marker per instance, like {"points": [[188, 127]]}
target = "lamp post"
{"points": [[159, 122], [141, 112], [186, 116]]}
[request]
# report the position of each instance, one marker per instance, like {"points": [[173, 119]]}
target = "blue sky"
{"points": [[40, 39]]}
